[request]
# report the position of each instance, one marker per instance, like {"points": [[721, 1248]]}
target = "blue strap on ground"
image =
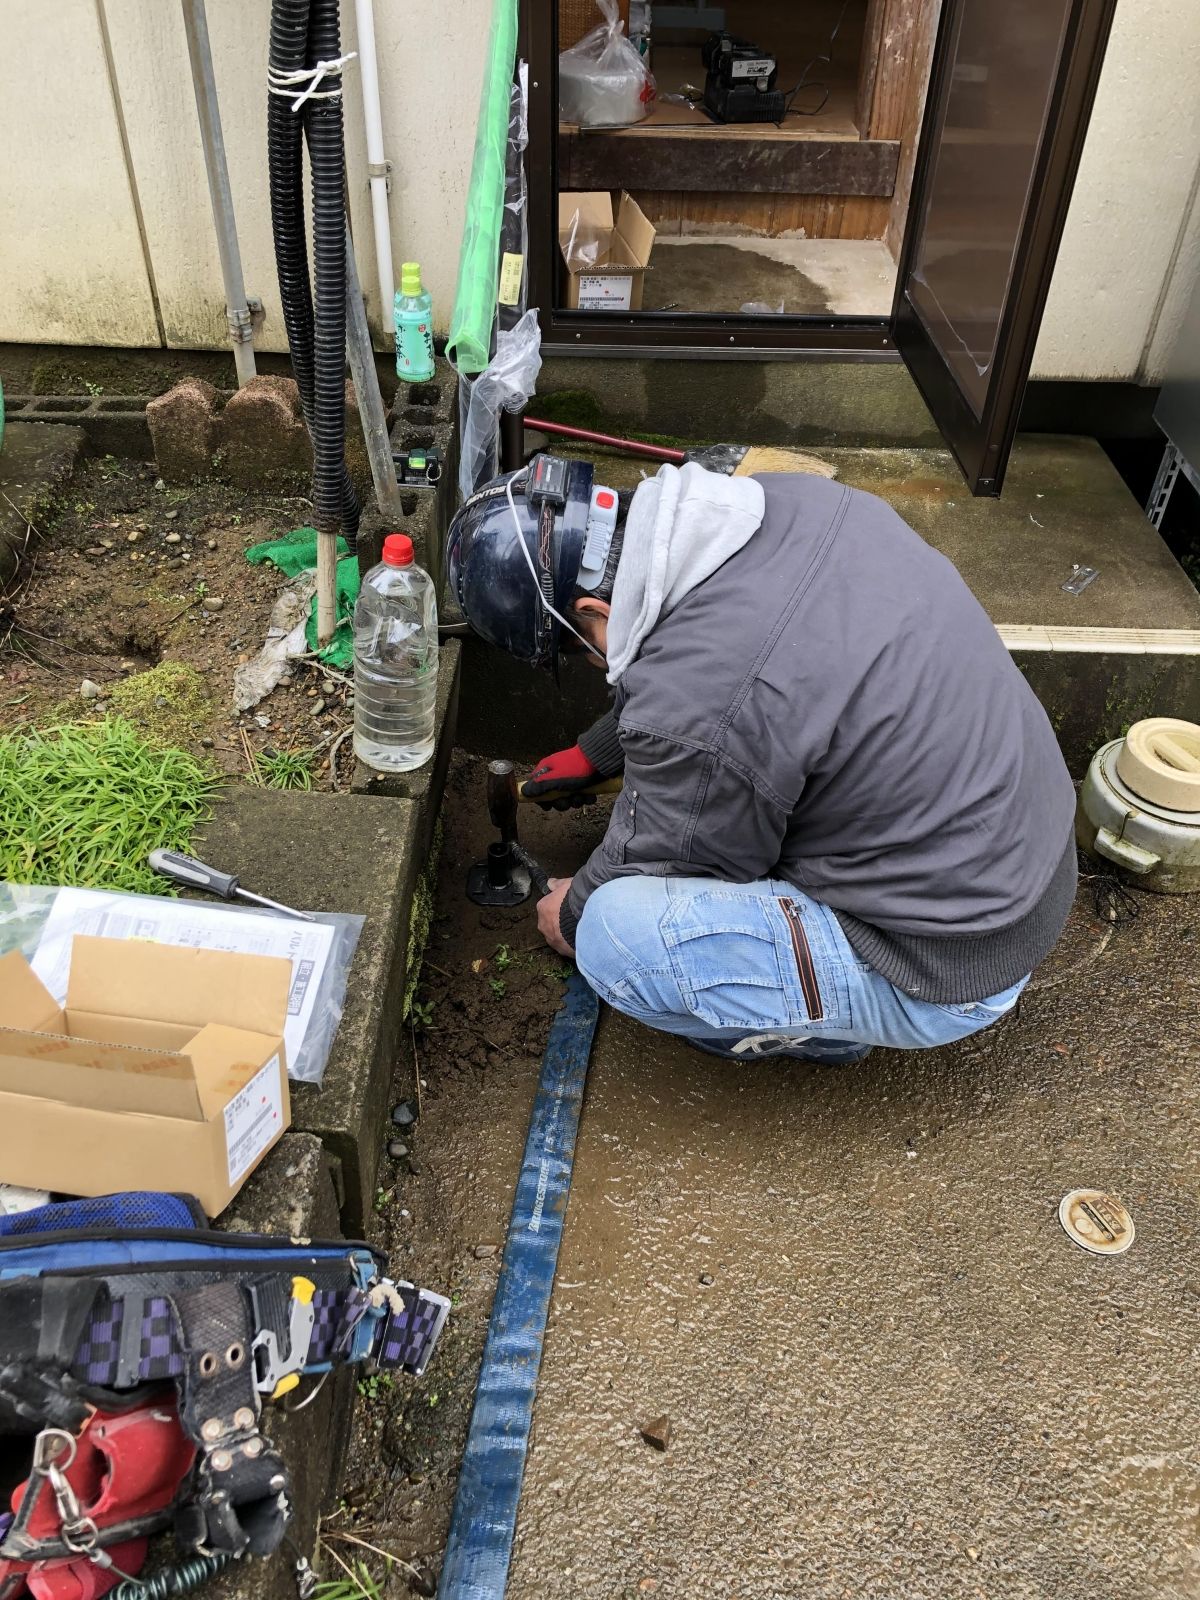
{"points": [[479, 1548]]}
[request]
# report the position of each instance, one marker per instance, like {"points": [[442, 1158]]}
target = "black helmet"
{"points": [[518, 549]]}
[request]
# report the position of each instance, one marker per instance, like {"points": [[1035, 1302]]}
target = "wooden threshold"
{"points": [[724, 163]]}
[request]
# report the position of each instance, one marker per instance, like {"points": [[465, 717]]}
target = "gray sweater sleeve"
{"points": [[601, 744], [683, 812]]}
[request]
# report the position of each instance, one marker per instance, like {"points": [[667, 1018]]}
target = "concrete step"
{"points": [[35, 463], [1127, 647]]}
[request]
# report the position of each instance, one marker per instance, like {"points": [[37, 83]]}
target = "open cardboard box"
{"points": [[164, 1070], [618, 246]]}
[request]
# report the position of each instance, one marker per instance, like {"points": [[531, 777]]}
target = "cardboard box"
{"points": [[164, 1070], [619, 246]]}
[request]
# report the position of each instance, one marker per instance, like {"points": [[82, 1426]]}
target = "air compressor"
{"points": [[740, 81]]}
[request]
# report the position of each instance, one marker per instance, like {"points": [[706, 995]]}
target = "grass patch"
{"points": [[84, 804], [285, 769], [169, 704]]}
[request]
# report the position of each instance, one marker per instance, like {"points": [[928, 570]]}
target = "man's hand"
{"points": [[548, 910], [562, 774]]}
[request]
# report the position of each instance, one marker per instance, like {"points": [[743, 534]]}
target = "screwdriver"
{"points": [[195, 874]]}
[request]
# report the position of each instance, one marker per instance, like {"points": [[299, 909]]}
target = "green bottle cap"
{"points": [[410, 277]]}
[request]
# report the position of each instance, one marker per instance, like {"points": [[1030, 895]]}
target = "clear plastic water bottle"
{"points": [[395, 661], [413, 313]]}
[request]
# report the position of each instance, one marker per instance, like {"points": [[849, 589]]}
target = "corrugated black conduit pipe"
{"points": [[304, 33], [327, 158]]}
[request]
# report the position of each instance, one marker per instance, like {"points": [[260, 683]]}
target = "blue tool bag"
{"points": [[101, 1298]]}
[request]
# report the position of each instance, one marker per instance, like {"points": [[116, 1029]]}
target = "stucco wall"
{"points": [[72, 265], [1130, 252], [106, 234]]}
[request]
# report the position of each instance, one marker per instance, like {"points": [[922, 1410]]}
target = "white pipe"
{"points": [[364, 16]]}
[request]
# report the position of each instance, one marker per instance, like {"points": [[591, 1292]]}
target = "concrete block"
{"points": [[293, 1192], [254, 437], [262, 433], [424, 786], [337, 852], [1092, 696], [36, 462], [115, 424], [423, 415], [183, 424]]}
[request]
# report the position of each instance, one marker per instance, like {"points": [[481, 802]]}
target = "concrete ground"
{"points": [[888, 1370], [802, 277]]}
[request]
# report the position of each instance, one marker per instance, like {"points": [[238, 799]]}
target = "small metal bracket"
{"points": [[381, 169], [243, 325], [1168, 471]]}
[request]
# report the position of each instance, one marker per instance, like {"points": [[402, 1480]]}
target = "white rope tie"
{"points": [[385, 1293], [285, 83]]}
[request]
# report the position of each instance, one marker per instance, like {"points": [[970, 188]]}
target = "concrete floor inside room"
{"points": [[799, 277]]}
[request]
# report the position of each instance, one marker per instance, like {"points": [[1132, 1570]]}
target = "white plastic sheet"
{"points": [[41, 922], [603, 81], [507, 385]]}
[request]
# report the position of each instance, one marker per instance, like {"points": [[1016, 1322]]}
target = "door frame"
{"points": [[981, 444]]}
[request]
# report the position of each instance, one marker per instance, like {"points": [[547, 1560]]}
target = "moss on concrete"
{"points": [[420, 918], [168, 704]]}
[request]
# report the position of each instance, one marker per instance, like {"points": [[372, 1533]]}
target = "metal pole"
{"points": [[366, 390], [237, 308]]}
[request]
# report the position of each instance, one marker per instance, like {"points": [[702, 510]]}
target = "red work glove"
{"points": [[560, 774]]}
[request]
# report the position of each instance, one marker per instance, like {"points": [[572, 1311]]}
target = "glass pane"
{"points": [[763, 187], [1004, 64]]}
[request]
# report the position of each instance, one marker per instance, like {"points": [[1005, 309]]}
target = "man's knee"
{"points": [[619, 946]]}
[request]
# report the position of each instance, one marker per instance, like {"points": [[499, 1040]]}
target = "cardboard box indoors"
{"points": [[615, 279], [165, 1070]]}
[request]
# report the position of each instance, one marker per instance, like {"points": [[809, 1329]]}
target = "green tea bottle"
{"points": [[414, 326]]}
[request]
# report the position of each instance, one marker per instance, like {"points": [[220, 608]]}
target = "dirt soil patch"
{"points": [[126, 574], [489, 989]]}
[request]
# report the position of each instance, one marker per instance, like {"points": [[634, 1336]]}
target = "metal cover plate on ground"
{"points": [[1096, 1221]]}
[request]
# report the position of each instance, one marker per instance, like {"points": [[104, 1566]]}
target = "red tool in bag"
{"points": [[83, 1517]]}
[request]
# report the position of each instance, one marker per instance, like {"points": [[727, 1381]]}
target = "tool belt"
{"points": [[110, 1305]]}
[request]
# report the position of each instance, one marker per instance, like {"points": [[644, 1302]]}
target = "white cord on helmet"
{"points": [[512, 506]]}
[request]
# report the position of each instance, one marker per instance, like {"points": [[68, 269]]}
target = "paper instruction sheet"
{"points": [[307, 945]]}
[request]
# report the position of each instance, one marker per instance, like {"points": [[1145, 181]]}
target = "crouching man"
{"points": [[845, 818]]}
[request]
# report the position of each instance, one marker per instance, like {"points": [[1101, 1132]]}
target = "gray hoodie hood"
{"points": [[682, 525]]}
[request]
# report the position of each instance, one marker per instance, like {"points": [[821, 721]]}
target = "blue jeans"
{"points": [[754, 969]]}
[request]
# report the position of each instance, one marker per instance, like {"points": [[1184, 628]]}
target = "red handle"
{"points": [[633, 447]]}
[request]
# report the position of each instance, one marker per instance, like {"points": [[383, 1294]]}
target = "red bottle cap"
{"points": [[398, 550]]}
